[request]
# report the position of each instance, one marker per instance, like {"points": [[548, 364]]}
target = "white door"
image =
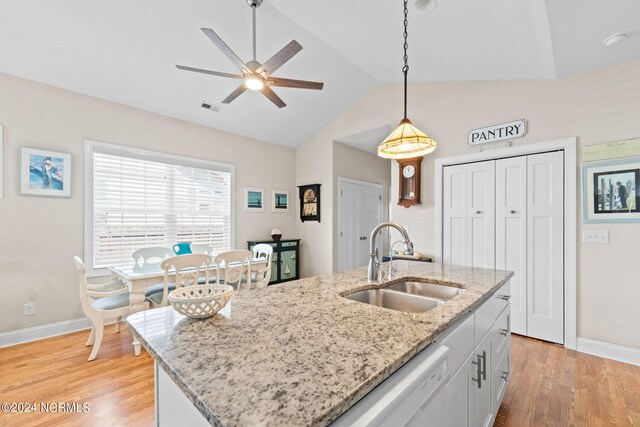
{"points": [[511, 233], [359, 212], [454, 215], [481, 214], [545, 246]]}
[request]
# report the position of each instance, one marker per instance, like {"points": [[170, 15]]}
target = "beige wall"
{"points": [[598, 106], [349, 162], [40, 235]]}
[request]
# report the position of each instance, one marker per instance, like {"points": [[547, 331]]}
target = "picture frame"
{"points": [[45, 173], [1, 163], [280, 201], [309, 202], [253, 199], [610, 191]]}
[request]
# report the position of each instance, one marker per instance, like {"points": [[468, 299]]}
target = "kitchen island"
{"points": [[298, 353]]}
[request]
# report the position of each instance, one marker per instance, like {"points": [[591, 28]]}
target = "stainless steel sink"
{"points": [[431, 290], [395, 300]]}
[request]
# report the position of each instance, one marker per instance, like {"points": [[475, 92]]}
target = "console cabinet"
{"points": [[285, 263]]}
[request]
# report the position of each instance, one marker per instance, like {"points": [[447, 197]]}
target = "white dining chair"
{"points": [[234, 268], [152, 255], [101, 302], [187, 270], [201, 248], [261, 273]]}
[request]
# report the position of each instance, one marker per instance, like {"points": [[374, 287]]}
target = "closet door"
{"points": [[454, 215], [511, 233], [481, 214], [545, 246]]}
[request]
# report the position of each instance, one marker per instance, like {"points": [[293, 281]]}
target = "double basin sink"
{"points": [[407, 296]]}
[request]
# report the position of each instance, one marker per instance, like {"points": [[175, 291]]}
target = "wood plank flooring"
{"points": [[550, 386]]}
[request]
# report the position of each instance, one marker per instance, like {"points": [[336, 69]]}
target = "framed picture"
{"points": [[253, 199], [1, 165], [45, 173], [280, 201], [309, 202], [610, 191]]}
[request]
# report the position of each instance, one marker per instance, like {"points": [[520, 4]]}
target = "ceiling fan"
{"points": [[257, 76]]}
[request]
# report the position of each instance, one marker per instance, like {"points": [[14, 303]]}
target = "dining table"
{"points": [[139, 276]]}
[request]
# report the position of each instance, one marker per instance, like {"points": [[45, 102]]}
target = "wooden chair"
{"points": [[101, 302], [234, 269], [152, 255], [187, 271], [261, 273]]}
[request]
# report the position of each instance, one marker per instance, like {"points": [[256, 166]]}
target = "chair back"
{"points": [[152, 255], [232, 267], [201, 248], [187, 268], [85, 302], [262, 271]]}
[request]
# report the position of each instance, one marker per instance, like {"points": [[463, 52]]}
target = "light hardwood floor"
{"points": [[550, 386]]}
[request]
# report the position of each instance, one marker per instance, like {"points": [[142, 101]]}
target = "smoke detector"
{"points": [[614, 39]]}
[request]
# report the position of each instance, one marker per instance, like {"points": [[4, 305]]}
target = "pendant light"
{"points": [[406, 141]]}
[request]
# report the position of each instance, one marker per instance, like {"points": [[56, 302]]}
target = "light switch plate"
{"points": [[595, 236]]}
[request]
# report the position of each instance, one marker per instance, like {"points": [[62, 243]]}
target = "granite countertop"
{"points": [[297, 353]]}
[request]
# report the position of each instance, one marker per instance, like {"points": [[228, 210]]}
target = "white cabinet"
{"points": [[508, 214], [476, 388]]}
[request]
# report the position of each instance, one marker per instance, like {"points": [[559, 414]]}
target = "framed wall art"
{"points": [[610, 191], [45, 173], [309, 202], [280, 201], [1, 165], [253, 199]]}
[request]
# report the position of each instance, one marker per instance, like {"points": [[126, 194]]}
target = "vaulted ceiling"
{"points": [[126, 51]]}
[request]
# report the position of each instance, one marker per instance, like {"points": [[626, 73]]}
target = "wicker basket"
{"points": [[200, 301]]}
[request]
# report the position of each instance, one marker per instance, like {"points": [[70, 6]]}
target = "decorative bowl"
{"points": [[276, 234], [200, 301]]}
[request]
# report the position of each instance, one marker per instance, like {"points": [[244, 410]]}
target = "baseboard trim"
{"points": [[44, 331], [610, 351]]}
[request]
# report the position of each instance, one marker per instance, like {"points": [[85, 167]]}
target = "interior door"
{"points": [[545, 246], [454, 215], [360, 211], [511, 233], [481, 214]]}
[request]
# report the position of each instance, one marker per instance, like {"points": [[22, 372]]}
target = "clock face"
{"points": [[408, 171]]}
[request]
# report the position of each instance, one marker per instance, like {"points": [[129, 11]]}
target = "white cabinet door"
{"points": [[481, 214], [545, 246], [455, 213], [511, 233], [481, 384], [458, 393]]}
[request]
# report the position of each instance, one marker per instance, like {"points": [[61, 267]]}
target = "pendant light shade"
{"points": [[406, 141]]}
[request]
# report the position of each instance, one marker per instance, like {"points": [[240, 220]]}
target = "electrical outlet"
{"points": [[30, 309], [595, 236]]}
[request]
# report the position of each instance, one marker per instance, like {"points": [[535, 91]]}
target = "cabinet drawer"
{"points": [[289, 244], [501, 332], [500, 377], [489, 311], [460, 343]]}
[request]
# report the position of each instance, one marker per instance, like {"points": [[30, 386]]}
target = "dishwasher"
{"points": [[404, 399]]}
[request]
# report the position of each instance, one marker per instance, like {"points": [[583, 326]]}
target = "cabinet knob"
{"points": [[504, 297], [505, 376], [504, 332], [513, 212], [478, 212]]}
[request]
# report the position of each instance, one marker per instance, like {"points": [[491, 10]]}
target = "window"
{"points": [[137, 199]]}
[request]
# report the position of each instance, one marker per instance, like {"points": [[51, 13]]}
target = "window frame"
{"points": [[120, 150]]}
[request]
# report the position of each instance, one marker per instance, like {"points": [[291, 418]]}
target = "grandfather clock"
{"points": [[409, 182]]}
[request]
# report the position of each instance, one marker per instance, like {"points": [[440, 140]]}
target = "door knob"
{"points": [[478, 212], [513, 212]]}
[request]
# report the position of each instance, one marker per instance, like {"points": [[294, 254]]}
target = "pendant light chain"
{"points": [[405, 69]]}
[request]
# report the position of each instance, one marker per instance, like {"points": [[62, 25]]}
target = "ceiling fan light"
{"points": [[253, 83], [406, 142]]}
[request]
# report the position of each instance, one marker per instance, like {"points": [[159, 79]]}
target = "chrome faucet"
{"points": [[374, 264]]}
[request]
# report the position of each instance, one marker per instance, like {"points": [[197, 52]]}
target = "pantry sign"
{"points": [[515, 129]]}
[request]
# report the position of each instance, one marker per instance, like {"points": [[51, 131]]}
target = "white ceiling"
{"points": [[125, 51]]}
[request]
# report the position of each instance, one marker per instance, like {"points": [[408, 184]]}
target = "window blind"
{"points": [[138, 202]]}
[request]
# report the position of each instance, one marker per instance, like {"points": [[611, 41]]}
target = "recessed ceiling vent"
{"points": [[207, 106]]}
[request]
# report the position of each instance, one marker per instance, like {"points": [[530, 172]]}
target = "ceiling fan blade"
{"points": [[269, 93], [213, 73], [277, 60], [298, 84], [225, 49], [236, 93]]}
